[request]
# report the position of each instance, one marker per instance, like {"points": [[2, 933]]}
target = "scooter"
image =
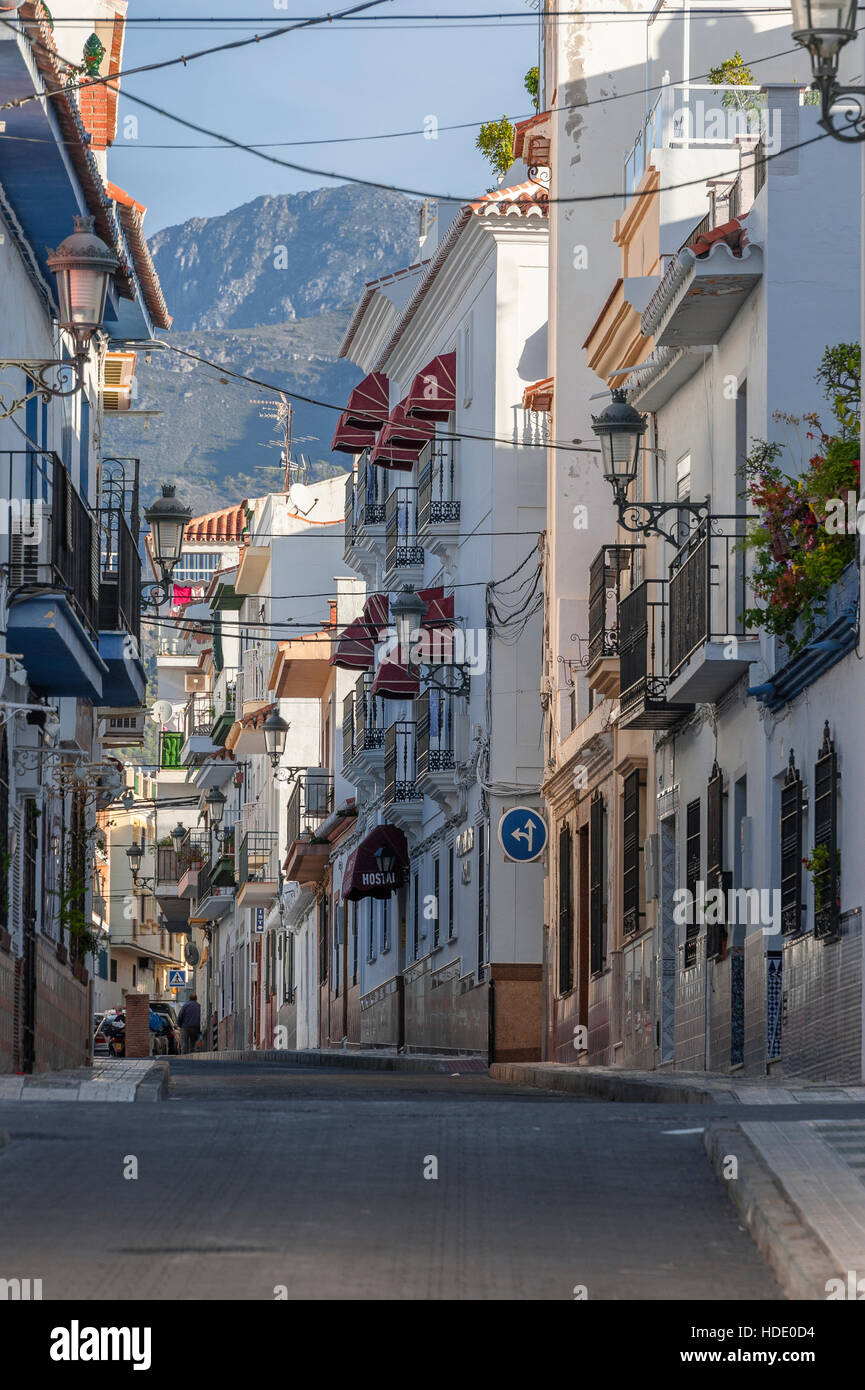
{"points": [[116, 1030]]}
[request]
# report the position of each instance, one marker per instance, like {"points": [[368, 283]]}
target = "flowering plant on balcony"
{"points": [[798, 555]]}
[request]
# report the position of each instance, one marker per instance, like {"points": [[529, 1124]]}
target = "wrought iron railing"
{"points": [[435, 732], [605, 592], [400, 763], [194, 850], [707, 592], [703, 226], [311, 801], [120, 587], [198, 715], [641, 644], [402, 550], [168, 868], [258, 861], [436, 493], [369, 715]]}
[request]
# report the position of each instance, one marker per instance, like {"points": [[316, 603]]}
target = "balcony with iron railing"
{"points": [[363, 721], [364, 508], [404, 556], [193, 854], [198, 719], [643, 699], [251, 683], [403, 795], [53, 576], [607, 577], [695, 115], [216, 883], [257, 868], [441, 718], [310, 804], [224, 711], [438, 505], [708, 593]]}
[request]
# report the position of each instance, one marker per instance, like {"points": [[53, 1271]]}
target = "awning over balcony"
{"points": [[364, 876], [355, 650], [394, 681], [368, 402], [348, 438], [402, 439], [433, 391], [59, 654], [436, 647], [539, 396], [125, 682]]}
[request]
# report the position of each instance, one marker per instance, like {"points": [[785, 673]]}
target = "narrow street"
{"points": [[253, 1176]]}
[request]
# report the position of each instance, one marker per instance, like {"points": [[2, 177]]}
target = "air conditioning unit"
{"points": [[195, 681]]}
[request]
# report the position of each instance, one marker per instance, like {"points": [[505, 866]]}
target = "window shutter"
{"points": [[791, 850], [566, 911], [597, 916], [826, 881], [716, 932], [692, 878], [631, 855]]}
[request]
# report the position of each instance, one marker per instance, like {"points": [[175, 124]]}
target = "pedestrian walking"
{"points": [[190, 1023]]}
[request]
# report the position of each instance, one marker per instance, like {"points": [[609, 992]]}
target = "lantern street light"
{"points": [[215, 803], [387, 860], [275, 734], [167, 519], [178, 835], [83, 266], [824, 27], [135, 854], [407, 609], [620, 428]]}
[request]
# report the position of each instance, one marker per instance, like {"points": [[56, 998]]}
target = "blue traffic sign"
{"points": [[523, 834], [176, 978]]}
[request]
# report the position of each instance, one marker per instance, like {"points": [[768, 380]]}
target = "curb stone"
{"points": [[797, 1257], [362, 1061], [608, 1086]]}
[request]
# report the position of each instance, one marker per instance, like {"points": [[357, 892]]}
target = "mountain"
{"points": [[267, 291], [287, 256]]}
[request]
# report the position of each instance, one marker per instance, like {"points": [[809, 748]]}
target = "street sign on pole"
{"points": [[522, 834], [176, 979]]}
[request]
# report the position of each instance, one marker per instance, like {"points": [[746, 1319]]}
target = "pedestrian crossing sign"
{"points": [[176, 978]]}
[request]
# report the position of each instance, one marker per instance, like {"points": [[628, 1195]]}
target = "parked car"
{"points": [[100, 1036], [169, 1038]]}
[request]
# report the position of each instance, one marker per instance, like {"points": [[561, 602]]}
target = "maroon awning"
{"points": [[368, 402], [349, 439], [393, 681], [355, 648], [437, 642], [403, 433], [402, 460], [433, 391], [364, 876]]}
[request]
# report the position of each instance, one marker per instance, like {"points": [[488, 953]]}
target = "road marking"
{"points": [[700, 1130]]}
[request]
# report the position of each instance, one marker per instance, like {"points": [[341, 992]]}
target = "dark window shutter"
{"points": [[791, 850], [716, 932], [597, 915], [692, 878], [826, 881], [566, 911], [631, 855]]}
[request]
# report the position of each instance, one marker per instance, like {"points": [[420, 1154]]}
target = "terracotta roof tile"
{"points": [[225, 525]]}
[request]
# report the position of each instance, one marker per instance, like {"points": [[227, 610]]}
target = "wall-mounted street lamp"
{"points": [[135, 854], [620, 429], [215, 803], [168, 520], [275, 733], [824, 27], [178, 835], [83, 266], [407, 609]]}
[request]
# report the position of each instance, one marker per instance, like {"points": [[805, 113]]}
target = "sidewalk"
{"points": [[104, 1081], [373, 1059], [671, 1087]]}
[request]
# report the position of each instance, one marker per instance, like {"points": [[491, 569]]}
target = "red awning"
{"points": [[368, 402], [401, 460], [402, 433], [436, 646], [364, 876], [355, 649], [349, 439], [393, 681], [433, 391]]}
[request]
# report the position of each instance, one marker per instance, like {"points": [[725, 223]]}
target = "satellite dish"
{"points": [[162, 711], [302, 498]]}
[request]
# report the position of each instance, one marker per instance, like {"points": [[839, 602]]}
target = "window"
{"points": [[112, 969], [468, 361], [825, 855], [566, 911], [322, 939], [385, 925], [597, 884], [134, 976], [683, 478], [692, 877], [415, 915], [716, 931], [196, 567], [436, 901], [351, 909], [631, 846], [792, 905]]}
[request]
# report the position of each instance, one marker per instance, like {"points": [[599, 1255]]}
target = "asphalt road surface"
{"points": [[256, 1181]]}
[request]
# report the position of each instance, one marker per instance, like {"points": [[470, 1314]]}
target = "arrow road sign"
{"points": [[522, 834]]}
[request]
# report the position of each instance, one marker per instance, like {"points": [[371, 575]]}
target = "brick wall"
{"points": [[691, 1012], [137, 1025], [822, 1029], [63, 1015]]}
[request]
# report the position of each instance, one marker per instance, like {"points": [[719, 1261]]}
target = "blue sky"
{"points": [[328, 82]]}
